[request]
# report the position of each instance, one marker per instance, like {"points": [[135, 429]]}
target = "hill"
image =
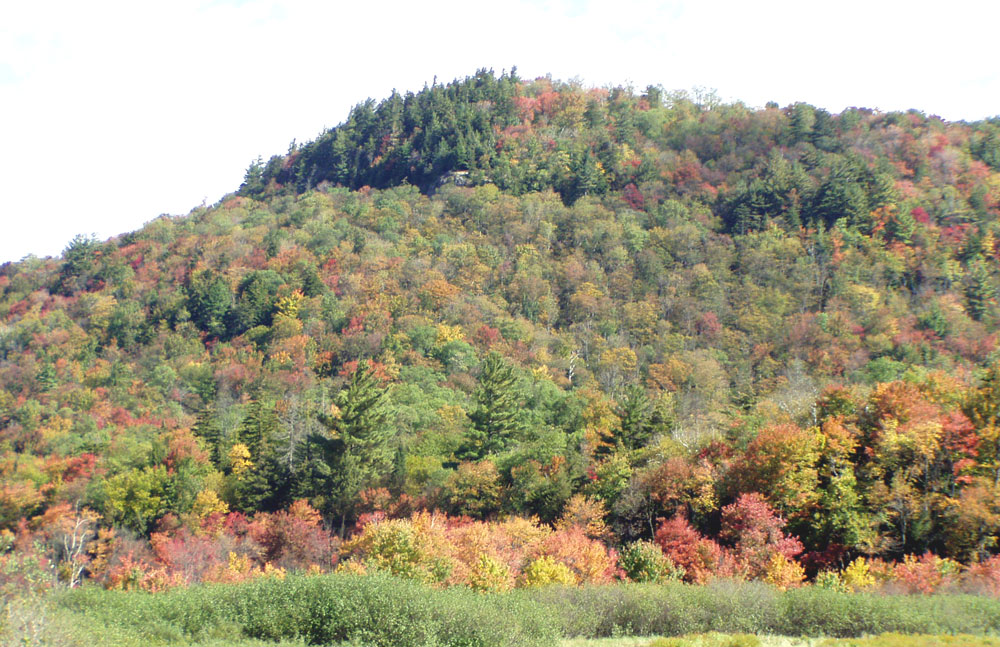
{"points": [[501, 296]]}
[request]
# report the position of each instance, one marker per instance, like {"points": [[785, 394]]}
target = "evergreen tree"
{"points": [[803, 118], [208, 427], [823, 135], [635, 412], [258, 296], [588, 177], [901, 226], [209, 300], [258, 428], [358, 449], [985, 143], [253, 182], [79, 264], [841, 196], [980, 290], [654, 96], [497, 416], [266, 485]]}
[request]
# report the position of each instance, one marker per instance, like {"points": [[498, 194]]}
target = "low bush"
{"points": [[643, 561], [390, 612], [671, 609], [370, 610], [729, 606]]}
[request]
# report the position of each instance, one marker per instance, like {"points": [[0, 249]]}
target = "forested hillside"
{"points": [[748, 334]]}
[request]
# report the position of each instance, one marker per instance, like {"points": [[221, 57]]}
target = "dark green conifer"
{"points": [[496, 420], [357, 449], [258, 428], [208, 427], [635, 412], [980, 291]]}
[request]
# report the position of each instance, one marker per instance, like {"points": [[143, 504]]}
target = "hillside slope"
{"points": [[501, 296]]}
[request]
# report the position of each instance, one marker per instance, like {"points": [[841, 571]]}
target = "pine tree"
{"points": [[209, 301], [588, 177], [497, 417], [257, 428], [358, 448], [841, 196], [253, 180], [266, 486], [79, 264], [364, 426], [208, 427], [635, 411], [980, 291], [803, 118], [901, 226]]}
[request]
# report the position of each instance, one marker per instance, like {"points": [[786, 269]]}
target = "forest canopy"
{"points": [[668, 316]]}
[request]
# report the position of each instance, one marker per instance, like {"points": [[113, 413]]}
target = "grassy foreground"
{"points": [[341, 609]]}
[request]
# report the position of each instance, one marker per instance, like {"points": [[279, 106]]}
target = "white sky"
{"points": [[114, 112]]}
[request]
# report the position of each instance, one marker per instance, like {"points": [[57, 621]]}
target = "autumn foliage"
{"points": [[498, 332]]}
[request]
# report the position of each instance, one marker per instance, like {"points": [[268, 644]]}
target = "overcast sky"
{"points": [[117, 112]]}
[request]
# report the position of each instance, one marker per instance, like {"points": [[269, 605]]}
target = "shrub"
{"points": [[918, 640], [490, 575], [370, 610], [389, 546], [756, 534], [586, 513], [643, 561], [783, 573], [545, 571], [983, 577], [590, 561], [830, 580], [295, 539], [473, 489], [925, 574], [857, 576], [733, 606], [24, 567], [701, 558]]}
